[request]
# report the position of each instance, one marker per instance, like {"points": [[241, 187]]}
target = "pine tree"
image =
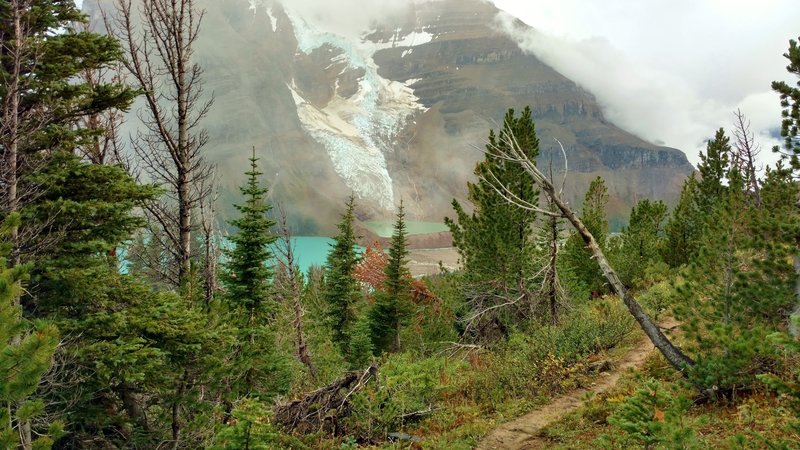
{"points": [[790, 101], [790, 130], [341, 288], [699, 198], [653, 418], [26, 352], [684, 227], [640, 245], [714, 166], [740, 283], [496, 242], [393, 306], [577, 258]]}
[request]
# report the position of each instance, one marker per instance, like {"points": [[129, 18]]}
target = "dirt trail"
{"points": [[522, 433]]}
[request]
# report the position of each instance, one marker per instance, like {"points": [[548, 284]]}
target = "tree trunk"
{"points": [[25, 436], [176, 406], [185, 230], [132, 405], [552, 273], [12, 137], [793, 328], [302, 347], [674, 355]]}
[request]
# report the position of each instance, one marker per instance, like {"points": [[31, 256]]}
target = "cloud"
{"points": [[348, 18], [670, 71]]}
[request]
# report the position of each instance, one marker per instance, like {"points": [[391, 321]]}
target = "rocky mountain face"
{"points": [[400, 112]]}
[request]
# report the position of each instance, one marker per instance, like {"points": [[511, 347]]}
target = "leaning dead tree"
{"points": [[514, 154], [159, 38]]}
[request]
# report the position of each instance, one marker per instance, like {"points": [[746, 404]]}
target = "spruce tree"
{"points": [[42, 54], [248, 271], [341, 288], [255, 368], [393, 305], [496, 241], [128, 340], [577, 258]]}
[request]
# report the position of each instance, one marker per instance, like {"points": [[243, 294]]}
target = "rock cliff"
{"points": [[399, 113]]}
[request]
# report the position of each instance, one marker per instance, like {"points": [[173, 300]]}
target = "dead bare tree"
{"points": [[212, 237], [104, 146], [554, 290], [745, 155], [289, 265], [17, 51], [159, 39], [514, 154]]}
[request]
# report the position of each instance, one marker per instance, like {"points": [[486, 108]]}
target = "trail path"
{"points": [[522, 433]]}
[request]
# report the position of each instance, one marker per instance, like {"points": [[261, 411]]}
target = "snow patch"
{"points": [[273, 20]]}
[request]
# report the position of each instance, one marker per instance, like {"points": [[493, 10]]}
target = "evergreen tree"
{"points": [[640, 245], [248, 272], [699, 198], [577, 258], [790, 130], [684, 227], [496, 241], [43, 99], [653, 418], [714, 166], [361, 348], [740, 284], [26, 352], [393, 306], [790, 101], [254, 368], [128, 340], [341, 288]]}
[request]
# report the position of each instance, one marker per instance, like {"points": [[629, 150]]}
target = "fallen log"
{"points": [[322, 409]]}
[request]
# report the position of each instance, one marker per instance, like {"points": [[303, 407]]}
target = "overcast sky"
{"points": [[671, 71]]}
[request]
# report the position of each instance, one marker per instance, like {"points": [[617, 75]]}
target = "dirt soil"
{"points": [[523, 433]]}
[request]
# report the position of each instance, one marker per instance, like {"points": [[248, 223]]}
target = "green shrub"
{"points": [[547, 360], [652, 417], [404, 386]]}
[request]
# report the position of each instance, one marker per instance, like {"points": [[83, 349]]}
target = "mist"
{"points": [[671, 72]]}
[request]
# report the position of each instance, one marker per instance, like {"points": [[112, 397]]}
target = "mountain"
{"points": [[398, 111]]}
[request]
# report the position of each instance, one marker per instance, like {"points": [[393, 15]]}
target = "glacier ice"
{"points": [[359, 131]]}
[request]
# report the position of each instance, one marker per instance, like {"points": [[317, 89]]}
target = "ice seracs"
{"points": [[359, 130]]}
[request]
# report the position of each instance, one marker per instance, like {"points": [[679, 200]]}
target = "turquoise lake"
{"points": [[308, 251], [312, 251]]}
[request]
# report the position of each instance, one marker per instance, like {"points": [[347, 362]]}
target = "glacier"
{"points": [[358, 132]]}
